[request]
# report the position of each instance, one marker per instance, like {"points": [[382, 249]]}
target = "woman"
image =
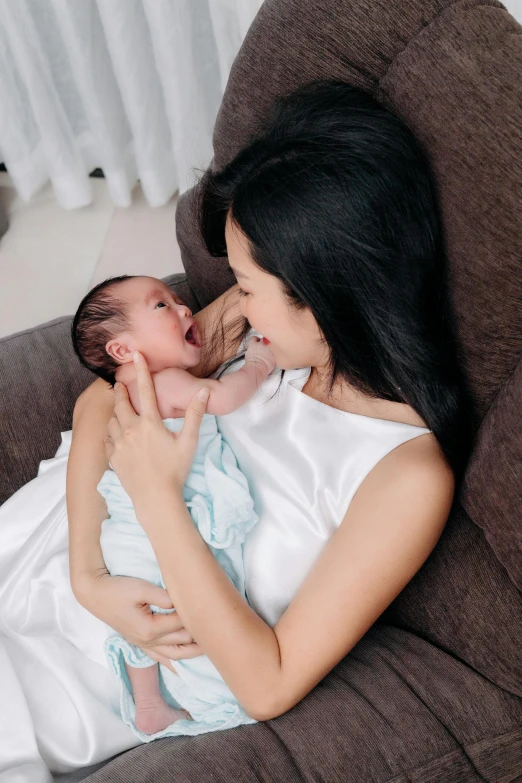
{"points": [[330, 223]]}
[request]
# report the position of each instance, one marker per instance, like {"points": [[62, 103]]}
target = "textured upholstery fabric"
{"points": [[492, 493], [387, 712], [433, 692], [40, 380]]}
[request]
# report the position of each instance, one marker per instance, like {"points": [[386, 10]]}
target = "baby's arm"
{"points": [[178, 386]]}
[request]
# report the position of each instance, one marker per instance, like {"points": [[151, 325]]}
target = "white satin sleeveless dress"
{"points": [[58, 701], [303, 460]]}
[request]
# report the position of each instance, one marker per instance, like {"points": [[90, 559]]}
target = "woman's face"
{"points": [[295, 338]]}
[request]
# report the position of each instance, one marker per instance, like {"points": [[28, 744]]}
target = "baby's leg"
{"points": [[152, 712]]}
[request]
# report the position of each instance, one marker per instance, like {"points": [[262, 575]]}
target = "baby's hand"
{"points": [[257, 351]]}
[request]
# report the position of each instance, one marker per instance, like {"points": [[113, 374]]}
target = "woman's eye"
{"points": [[241, 292]]}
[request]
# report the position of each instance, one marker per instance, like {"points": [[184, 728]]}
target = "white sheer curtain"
{"points": [[130, 86]]}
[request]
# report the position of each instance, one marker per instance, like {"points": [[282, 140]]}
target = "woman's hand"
{"points": [[145, 455], [123, 603]]}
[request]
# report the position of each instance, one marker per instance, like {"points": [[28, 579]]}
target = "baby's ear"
{"points": [[118, 351]]}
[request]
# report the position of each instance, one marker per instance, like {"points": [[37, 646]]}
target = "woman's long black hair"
{"points": [[337, 200]]}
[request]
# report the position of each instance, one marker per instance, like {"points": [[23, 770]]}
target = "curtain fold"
{"points": [[129, 86]]}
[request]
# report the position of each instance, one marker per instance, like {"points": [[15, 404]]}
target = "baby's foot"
{"points": [[155, 715]]}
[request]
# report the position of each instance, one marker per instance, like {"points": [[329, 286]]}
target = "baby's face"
{"points": [[163, 328]]}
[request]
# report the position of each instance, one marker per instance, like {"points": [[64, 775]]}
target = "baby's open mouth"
{"points": [[191, 336]]}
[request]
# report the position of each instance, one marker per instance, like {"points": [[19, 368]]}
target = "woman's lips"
{"points": [[265, 340]]}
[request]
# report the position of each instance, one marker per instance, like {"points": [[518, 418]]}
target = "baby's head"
{"points": [[134, 313]]}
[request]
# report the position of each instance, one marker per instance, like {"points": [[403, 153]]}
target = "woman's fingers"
{"points": [[124, 413], [174, 637], [158, 625], [166, 653], [155, 595], [173, 652], [194, 415], [146, 391], [177, 652], [114, 428]]}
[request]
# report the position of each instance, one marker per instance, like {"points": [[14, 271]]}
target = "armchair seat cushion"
{"points": [[386, 714]]}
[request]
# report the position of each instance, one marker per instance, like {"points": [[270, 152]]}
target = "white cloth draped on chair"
{"points": [[130, 86]]}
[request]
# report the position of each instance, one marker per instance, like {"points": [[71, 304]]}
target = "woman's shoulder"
{"points": [[419, 456], [413, 476]]}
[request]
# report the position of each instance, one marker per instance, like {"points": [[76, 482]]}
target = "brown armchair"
{"points": [[433, 691]]}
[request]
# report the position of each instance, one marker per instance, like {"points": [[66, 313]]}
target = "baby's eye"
{"points": [[241, 292], [162, 303]]}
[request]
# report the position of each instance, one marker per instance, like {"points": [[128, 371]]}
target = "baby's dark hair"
{"points": [[100, 316]]}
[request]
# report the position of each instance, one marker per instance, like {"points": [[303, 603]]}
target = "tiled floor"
{"points": [[51, 257]]}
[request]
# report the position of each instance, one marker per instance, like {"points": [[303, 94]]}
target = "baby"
{"points": [[142, 313]]}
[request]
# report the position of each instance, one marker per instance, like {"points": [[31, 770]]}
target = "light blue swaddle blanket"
{"points": [[218, 499]]}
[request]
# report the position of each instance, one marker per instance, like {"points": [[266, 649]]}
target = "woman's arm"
{"points": [[87, 462], [392, 524]]}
